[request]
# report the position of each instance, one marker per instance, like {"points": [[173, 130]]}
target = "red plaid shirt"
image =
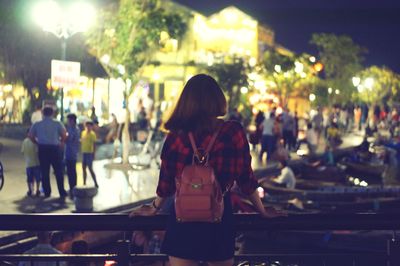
{"points": [[229, 157]]}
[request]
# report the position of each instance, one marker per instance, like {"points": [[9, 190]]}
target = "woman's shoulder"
{"points": [[231, 126]]}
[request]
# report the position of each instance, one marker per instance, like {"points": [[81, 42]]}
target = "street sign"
{"points": [[65, 73]]}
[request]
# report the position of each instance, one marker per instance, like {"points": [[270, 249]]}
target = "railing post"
{"points": [[393, 251], [123, 252]]}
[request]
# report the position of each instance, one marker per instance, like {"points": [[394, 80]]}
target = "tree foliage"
{"points": [[128, 37], [292, 75], [231, 76], [23, 56], [342, 58], [130, 33], [384, 87]]}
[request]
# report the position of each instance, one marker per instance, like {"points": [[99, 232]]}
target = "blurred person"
{"points": [[281, 153], [43, 247], [72, 150], [37, 115], [317, 122], [286, 177], [235, 115], [80, 247], [288, 129], [33, 174], [50, 135], [93, 116], [88, 148], [357, 117], [112, 129], [333, 135], [199, 107], [312, 139], [268, 140]]}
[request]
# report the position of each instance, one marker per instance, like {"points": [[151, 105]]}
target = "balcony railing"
{"points": [[244, 222]]}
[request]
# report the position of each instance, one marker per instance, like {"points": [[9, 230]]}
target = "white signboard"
{"points": [[65, 73]]}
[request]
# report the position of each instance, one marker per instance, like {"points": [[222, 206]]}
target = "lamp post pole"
{"points": [[63, 22], [63, 58]]}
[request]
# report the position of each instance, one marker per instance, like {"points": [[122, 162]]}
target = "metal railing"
{"points": [[244, 222]]}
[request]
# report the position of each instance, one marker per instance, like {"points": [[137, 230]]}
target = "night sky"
{"points": [[374, 24]]}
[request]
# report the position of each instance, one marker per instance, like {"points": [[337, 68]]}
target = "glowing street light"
{"points": [[278, 68], [64, 22], [330, 90], [312, 97], [337, 91]]}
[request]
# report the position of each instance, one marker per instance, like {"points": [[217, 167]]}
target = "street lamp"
{"points": [[64, 22]]}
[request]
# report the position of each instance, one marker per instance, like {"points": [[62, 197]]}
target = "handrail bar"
{"points": [[143, 257], [244, 222]]}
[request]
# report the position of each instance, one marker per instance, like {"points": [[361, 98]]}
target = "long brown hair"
{"points": [[198, 107]]}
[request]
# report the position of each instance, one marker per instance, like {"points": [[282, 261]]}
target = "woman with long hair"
{"points": [[199, 111]]}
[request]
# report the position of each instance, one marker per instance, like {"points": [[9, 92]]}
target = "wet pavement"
{"points": [[117, 185]]}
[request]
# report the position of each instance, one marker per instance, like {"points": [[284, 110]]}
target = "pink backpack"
{"points": [[199, 197]]}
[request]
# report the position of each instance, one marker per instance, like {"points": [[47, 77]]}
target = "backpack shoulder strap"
{"points": [[212, 141], [193, 143], [202, 158]]}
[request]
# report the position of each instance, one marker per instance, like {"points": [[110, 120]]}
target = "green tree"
{"points": [[231, 76], [290, 74], [126, 39], [342, 58], [378, 85], [23, 56]]}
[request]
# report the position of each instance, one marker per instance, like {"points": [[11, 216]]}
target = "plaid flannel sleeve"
{"points": [[245, 177]]}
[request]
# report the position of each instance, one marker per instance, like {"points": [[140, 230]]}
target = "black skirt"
{"points": [[201, 241]]}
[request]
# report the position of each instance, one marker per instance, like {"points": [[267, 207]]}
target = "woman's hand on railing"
{"points": [[270, 212], [144, 210]]}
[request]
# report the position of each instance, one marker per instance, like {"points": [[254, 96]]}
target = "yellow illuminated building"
{"points": [[209, 40]]}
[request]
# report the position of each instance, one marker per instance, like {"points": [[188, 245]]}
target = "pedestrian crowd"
{"points": [[49, 143], [276, 131]]}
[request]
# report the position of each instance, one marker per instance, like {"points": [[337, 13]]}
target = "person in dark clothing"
{"points": [[50, 135], [72, 150]]}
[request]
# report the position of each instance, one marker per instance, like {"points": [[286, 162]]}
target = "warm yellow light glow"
{"points": [[156, 76], [47, 13], [64, 22], [230, 15], [278, 68], [121, 69], [330, 90], [7, 88], [105, 59], [337, 91], [356, 81], [318, 67], [86, 14], [369, 83], [252, 61], [244, 90], [298, 67]]}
